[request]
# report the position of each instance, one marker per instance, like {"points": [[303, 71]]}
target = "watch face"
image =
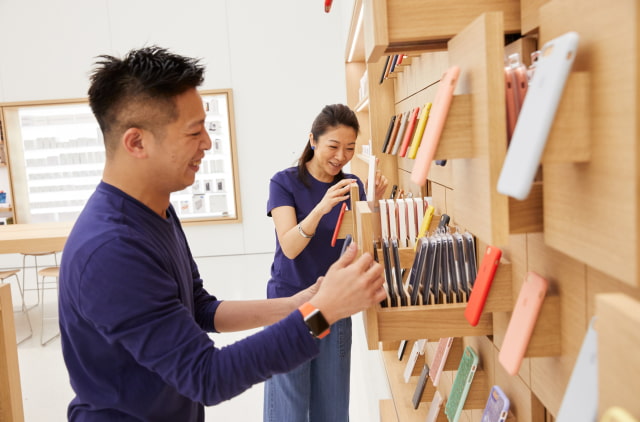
{"points": [[316, 323]]}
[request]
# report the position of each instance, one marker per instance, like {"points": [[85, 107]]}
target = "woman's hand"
{"points": [[335, 194]]}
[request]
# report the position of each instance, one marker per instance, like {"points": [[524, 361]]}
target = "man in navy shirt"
{"points": [[134, 315]]}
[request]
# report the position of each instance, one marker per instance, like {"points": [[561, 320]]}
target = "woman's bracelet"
{"points": [[303, 234]]}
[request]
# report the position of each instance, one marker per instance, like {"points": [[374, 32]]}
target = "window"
{"points": [[56, 158]]}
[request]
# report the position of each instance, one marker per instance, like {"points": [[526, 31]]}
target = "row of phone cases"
{"points": [[443, 271], [390, 65], [497, 406], [529, 117]]}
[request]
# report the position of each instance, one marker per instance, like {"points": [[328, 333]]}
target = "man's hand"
{"points": [[350, 286]]}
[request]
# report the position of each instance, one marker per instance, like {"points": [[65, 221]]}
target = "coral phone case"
{"points": [[523, 320], [497, 407], [435, 125], [482, 284], [394, 134], [537, 115]]}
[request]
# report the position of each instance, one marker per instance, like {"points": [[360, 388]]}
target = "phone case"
{"points": [[347, 241], [394, 134], [429, 273], [461, 384], [398, 272], [409, 131], [439, 359], [426, 221], [537, 115], [510, 101], [334, 238], [416, 350], [497, 407], [401, 130], [402, 348], [389, 131], [580, 400], [384, 70], [470, 256], [482, 284], [422, 382], [386, 256], [434, 408], [417, 270], [523, 320], [617, 414], [435, 125], [417, 136]]}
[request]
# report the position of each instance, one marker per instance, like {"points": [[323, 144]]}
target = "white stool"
{"points": [[35, 256], [23, 309], [42, 286]]}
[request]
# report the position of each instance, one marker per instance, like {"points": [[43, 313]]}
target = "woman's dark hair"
{"points": [[330, 117], [139, 90]]}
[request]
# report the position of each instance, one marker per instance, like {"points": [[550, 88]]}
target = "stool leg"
{"points": [[42, 318]]}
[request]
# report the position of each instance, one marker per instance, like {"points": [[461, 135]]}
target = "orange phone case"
{"points": [[394, 134], [435, 126], [482, 284], [523, 320]]}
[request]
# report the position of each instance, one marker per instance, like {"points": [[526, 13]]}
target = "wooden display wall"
{"points": [[579, 226]]}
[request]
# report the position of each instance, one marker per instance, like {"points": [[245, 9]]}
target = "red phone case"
{"points": [[338, 224], [482, 284], [408, 133]]}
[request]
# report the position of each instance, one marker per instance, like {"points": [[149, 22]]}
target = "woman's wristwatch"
{"points": [[318, 325]]}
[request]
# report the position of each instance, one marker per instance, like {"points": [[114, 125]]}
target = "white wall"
{"points": [[283, 60]]}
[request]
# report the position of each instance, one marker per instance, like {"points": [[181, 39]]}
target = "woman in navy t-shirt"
{"points": [[304, 202]]}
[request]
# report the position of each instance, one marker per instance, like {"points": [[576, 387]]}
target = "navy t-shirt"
{"points": [[289, 276]]}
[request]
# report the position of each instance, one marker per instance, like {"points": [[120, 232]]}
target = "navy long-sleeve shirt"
{"points": [[134, 318]]}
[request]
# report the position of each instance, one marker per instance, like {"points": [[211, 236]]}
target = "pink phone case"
{"points": [[510, 100], [435, 125], [523, 320]]}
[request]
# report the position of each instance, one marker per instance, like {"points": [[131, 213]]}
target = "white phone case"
{"points": [[537, 115], [580, 401]]}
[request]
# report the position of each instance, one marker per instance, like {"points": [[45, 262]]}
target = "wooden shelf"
{"points": [[400, 26]]}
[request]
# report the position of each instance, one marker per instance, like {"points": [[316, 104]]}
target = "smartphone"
{"points": [[497, 407], [537, 115], [417, 136], [522, 322], [617, 414], [461, 384], [409, 131], [435, 125], [482, 284], [439, 359], [398, 272], [434, 408]]}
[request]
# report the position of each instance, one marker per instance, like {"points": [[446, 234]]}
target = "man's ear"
{"points": [[133, 142]]}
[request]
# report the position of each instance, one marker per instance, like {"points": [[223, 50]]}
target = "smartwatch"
{"points": [[318, 326]]}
